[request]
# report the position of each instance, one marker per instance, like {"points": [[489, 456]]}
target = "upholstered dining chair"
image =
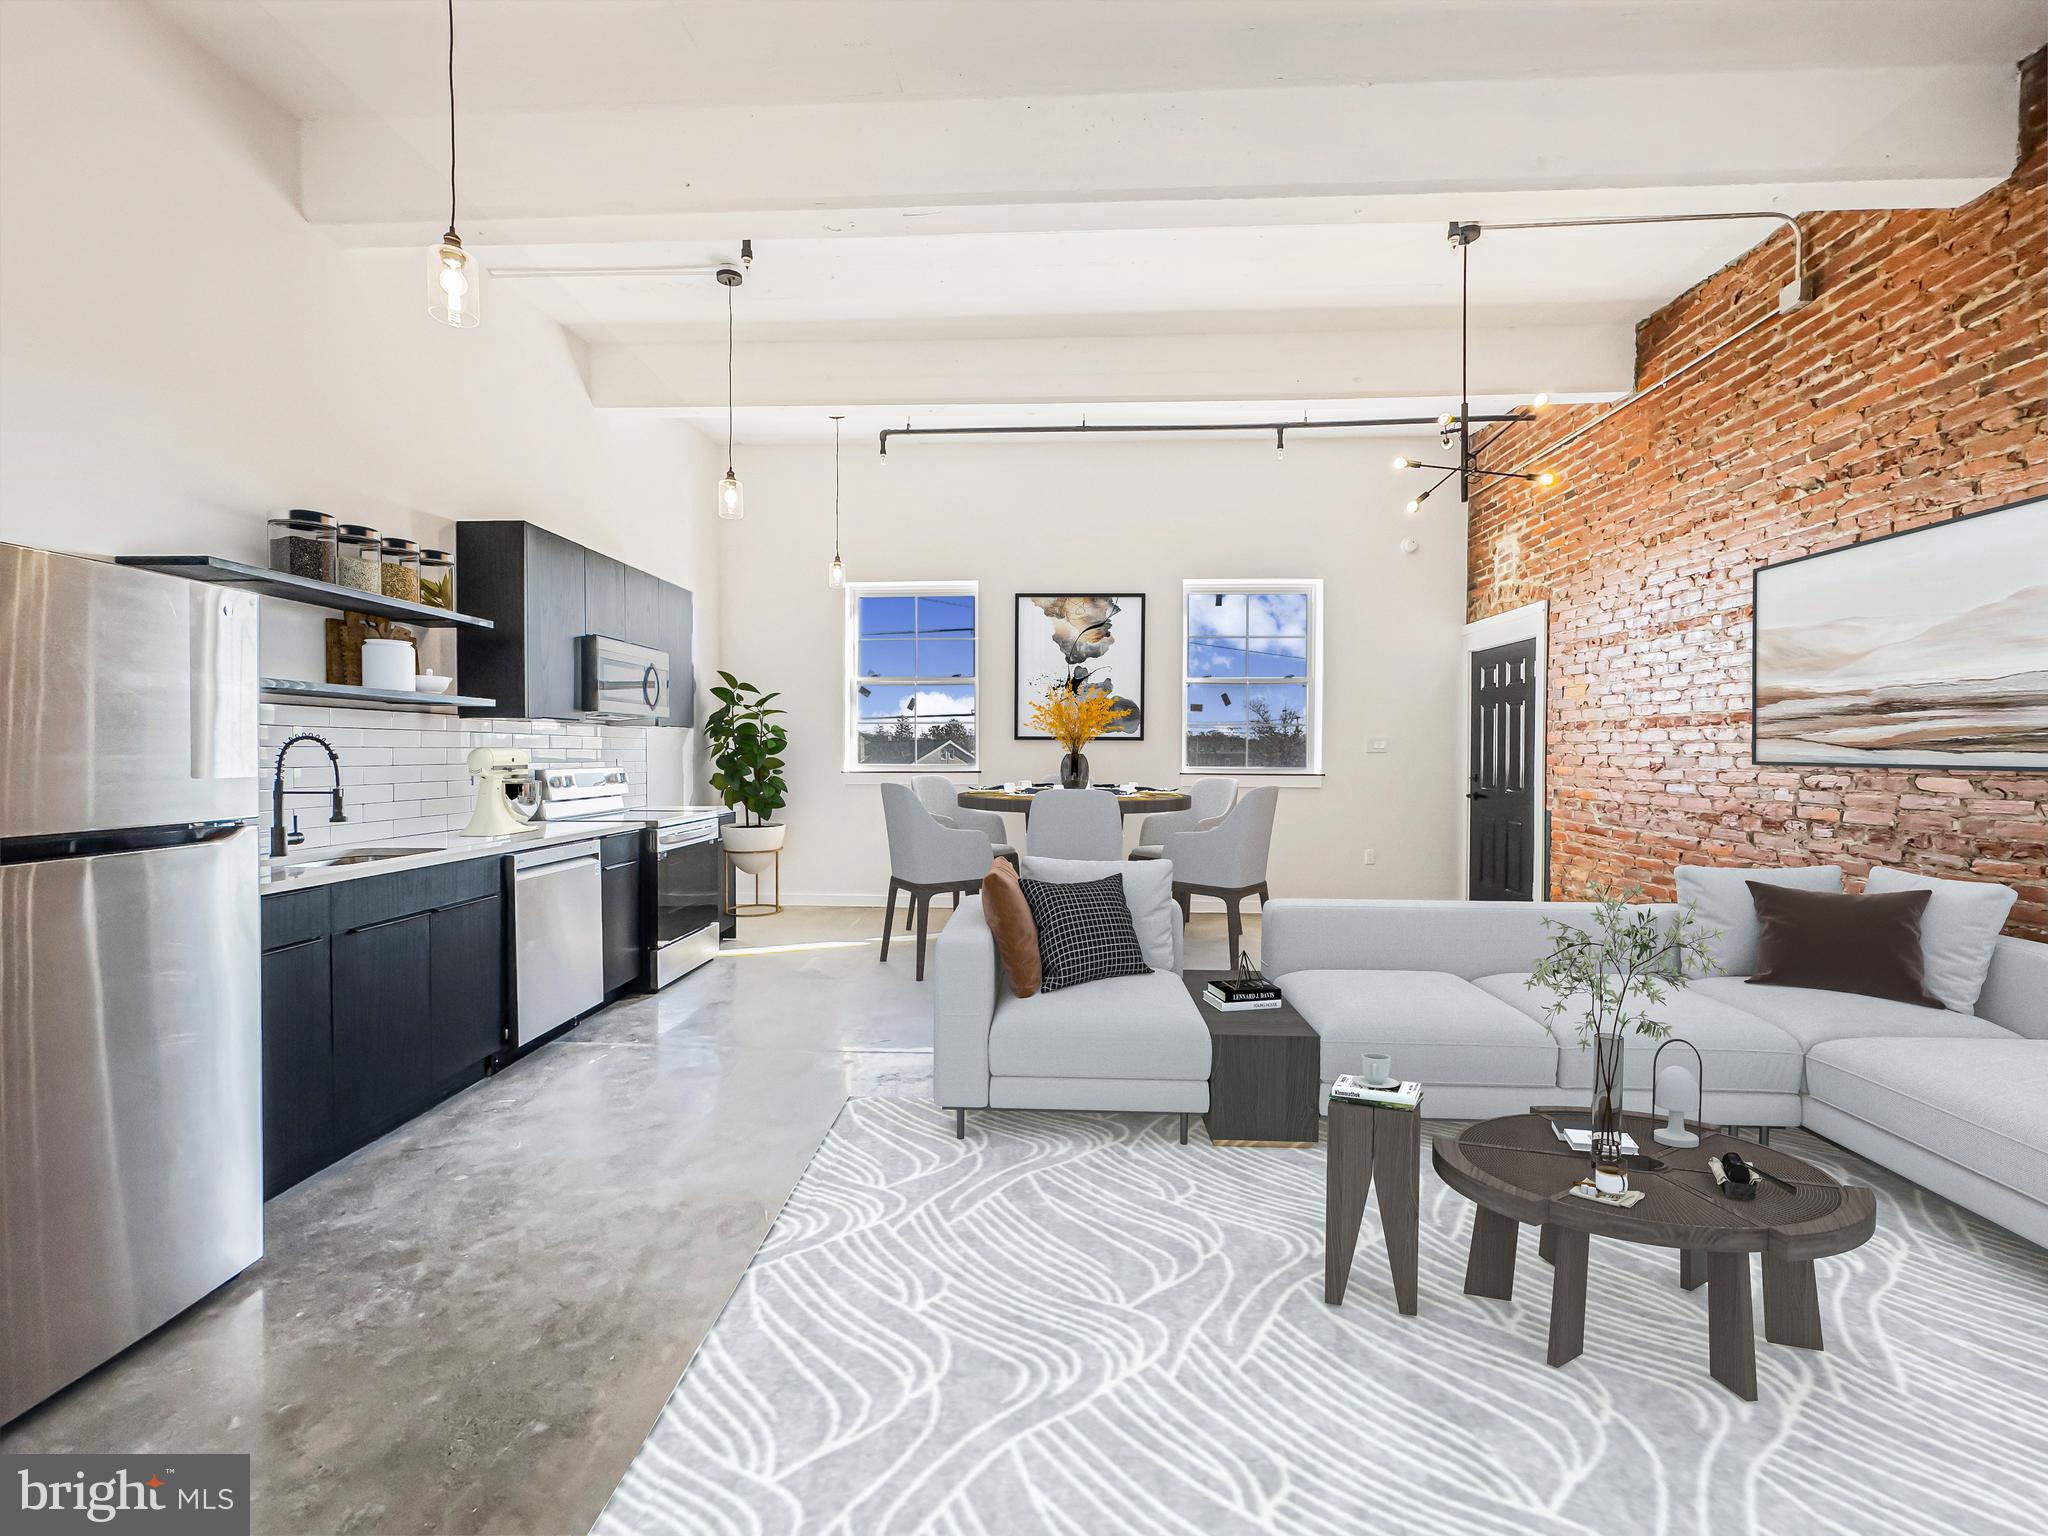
{"points": [[1211, 798], [941, 797], [1226, 860], [927, 859], [1074, 824]]}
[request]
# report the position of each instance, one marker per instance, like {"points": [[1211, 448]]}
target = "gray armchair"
{"points": [[942, 799], [1226, 860], [927, 859], [1074, 824], [1212, 799]]}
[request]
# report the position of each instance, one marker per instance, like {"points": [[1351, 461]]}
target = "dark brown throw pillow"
{"points": [[1869, 945], [1016, 932]]}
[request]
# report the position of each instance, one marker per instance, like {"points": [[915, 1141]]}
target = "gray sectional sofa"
{"points": [[1955, 1102]]}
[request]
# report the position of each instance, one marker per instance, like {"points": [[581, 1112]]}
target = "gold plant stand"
{"points": [[757, 907]]}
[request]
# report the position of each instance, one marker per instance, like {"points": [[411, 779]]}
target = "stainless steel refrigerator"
{"points": [[131, 1177]]}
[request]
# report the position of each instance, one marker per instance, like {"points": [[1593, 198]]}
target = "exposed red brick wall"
{"points": [[1915, 388]]}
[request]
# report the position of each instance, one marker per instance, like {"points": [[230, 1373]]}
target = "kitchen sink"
{"points": [[283, 869]]}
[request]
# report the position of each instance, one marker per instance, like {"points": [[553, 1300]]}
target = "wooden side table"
{"points": [[1379, 1149], [1265, 1073]]}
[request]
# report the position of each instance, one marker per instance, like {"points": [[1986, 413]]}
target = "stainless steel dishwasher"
{"points": [[558, 926]]}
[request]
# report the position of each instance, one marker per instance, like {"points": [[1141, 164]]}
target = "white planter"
{"points": [[752, 849]]}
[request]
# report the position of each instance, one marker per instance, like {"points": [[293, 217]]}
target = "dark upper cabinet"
{"points": [[677, 613], [604, 596], [544, 592], [298, 1064], [643, 608]]}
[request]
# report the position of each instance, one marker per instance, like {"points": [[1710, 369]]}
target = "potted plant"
{"points": [[746, 747], [1073, 716], [1607, 981]]}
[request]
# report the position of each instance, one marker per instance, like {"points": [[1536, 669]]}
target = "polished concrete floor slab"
{"points": [[470, 1325]]}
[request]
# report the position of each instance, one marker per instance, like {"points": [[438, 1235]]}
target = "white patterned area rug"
{"points": [[1071, 1324]]}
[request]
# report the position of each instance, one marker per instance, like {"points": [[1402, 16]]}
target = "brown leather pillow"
{"points": [[1016, 933], [1864, 944]]}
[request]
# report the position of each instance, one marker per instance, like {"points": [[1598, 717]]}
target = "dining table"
{"points": [[1136, 802]]}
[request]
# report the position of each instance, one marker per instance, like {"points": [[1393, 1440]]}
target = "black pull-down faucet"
{"points": [[280, 840]]}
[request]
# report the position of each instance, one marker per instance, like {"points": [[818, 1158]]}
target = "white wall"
{"points": [[1120, 516], [181, 354]]}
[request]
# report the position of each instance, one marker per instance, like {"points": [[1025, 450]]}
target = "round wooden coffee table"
{"points": [[1515, 1170]]}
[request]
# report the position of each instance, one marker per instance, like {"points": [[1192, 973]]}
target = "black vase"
{"points": [[1074, 771]]}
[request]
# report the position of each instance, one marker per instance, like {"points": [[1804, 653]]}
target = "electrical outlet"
{"points": [[1372, 855], [1375, 743]]}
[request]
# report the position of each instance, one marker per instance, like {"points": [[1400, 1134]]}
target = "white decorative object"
{"points": [[1377, 1069], [752, 849], [432, 682], [1677, 1090], [389, 664]]}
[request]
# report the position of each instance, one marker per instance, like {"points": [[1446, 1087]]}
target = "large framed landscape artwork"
{"points": [[1924, 649], [1088, 640]]}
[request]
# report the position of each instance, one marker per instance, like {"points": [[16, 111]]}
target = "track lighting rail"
{"points": [[1280, 429]]}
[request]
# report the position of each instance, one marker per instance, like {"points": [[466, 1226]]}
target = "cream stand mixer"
{"points": [[495, 770]]}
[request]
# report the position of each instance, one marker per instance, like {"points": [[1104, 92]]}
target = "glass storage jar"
{"points": [[357, 562], [302, 544], [400, 570], [437, 579]]}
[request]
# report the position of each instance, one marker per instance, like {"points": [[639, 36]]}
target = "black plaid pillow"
{"points": [[1084, 931]]}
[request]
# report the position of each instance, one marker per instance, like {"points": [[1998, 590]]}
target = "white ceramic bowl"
{"points": [[427, 682]]}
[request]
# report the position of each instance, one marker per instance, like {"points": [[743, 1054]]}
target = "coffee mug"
{"points": [[1378, 1069]]}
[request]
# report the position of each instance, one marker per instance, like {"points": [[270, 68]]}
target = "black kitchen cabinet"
{"points": [[466, 964], [643, 609], [383, 1062], [381, 996], [298, 1064], [677, 616], [624, 920], [544, 593], [604, 596]]}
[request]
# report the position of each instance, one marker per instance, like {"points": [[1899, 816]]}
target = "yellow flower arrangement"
{"points": [[1074, 717]]}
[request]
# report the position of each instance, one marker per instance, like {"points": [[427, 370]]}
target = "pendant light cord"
{"points": [[451, 114], [835, 486], [728, 374]]}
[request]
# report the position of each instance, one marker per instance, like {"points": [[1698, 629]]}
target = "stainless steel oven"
{"points": [[688, 899]]}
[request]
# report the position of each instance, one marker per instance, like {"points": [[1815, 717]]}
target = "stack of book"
{"points": [[1356, 1090], [1235, 994]]}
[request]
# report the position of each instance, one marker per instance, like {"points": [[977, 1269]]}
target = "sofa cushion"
{"points": [[1128, 1026], [1721, 898], [1834, 942], [1148, 892], [1980, 1103], [1958, 931], [1013, 927], [1810, 1017], [1739, 1052], [1438, 1028], [1084, 932]]}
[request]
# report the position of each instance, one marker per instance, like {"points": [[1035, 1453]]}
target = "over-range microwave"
{"points": [[622, 681]]}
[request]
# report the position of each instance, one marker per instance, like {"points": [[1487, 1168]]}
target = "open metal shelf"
{"points": [[298, 589]]}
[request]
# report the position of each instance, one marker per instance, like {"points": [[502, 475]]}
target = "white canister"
{"points": [[389, 664]]}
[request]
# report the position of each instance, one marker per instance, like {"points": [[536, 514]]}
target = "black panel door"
{"points": [[643, 609], [467, 986], [1502, 789], [604, 596], [677, 617], [298, 1065], [383, 1052]]}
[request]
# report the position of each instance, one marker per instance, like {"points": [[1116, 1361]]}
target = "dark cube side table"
{"points": [[1265, 1073]]}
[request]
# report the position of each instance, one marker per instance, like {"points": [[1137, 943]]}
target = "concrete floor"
{"points": [[470, 1325]]}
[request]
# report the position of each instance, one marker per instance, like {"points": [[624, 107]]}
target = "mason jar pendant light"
{"points": [[732, 496], [835, 573], [455, 292]]}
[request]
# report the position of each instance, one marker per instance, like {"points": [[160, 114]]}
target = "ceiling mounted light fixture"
{"points": [[835, 573], [455, 290], [732, 496]]}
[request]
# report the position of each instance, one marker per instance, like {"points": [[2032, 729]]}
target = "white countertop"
{"points": [[299, 871]]}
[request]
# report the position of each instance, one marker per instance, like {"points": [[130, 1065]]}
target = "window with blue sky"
{"points": [[914, 690], [1251, 687]]}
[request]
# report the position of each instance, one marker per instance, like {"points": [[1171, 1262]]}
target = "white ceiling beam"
{"points": [[1594, 362], [1797, 140]]}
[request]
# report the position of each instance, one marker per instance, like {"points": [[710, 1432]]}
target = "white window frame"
{"points": [[1311, 585], [854, 682]]}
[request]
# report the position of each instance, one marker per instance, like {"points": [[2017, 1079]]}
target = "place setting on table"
{"points": [[1131, 799]]}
